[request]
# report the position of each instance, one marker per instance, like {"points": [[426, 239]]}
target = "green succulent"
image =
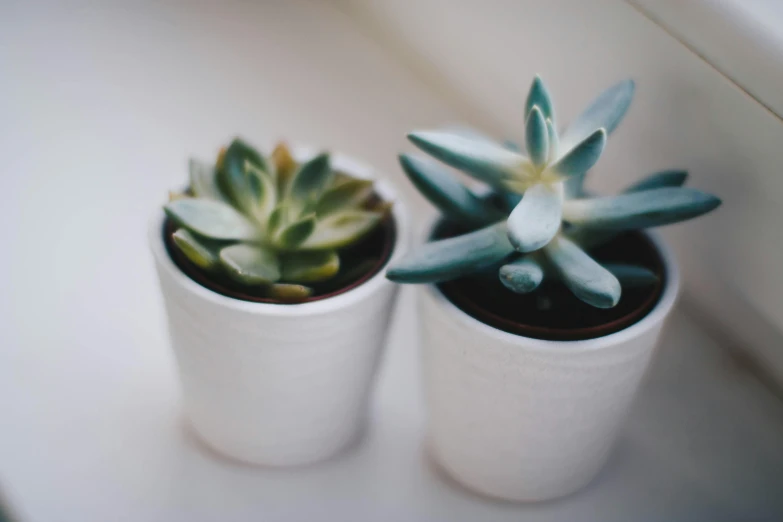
{"points": [[538, 221], [269, 222]]}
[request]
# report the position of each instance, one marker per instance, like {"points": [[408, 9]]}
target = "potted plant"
{"points": [[544, 303], [272, 275]]}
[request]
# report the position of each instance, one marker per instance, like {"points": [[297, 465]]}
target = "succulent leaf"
{"points": [[455, 257], [211, 219], [296, 233], [650, 208], [351, 193], [247, 152], [553, 139], [289, 293], [536, 219], [582, 157], [587, 279], [285, 167], [446, 193], [537, 137], [539, 96], [340, 229], [267, 198], [203, 182], [485, 161], [242, 190], [310, 181], [523, 275], [606, 112], [278, 218], [202, 253], [664, 178], [244, 178], [309, 267], [632, 276], [250, 264]]}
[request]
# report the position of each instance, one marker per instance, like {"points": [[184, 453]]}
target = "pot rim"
{"points": [[653, 318], [340, 161]]}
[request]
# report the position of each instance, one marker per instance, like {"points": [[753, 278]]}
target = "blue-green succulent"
{"points": [[546, 223], [268, 222]]}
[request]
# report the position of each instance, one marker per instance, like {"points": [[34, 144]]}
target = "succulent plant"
{"points": [[269, 222], [537, 221]]}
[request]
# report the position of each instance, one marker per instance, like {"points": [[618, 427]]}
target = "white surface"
{"points": [[526, 419], [741, 38], [686, 114], [101, 107], [273, 384]]}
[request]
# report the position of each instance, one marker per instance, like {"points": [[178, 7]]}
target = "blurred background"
{"points": [[101, 104]]}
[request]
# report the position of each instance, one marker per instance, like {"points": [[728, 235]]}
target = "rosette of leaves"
{"points": [[539, 222], [270, 223]]}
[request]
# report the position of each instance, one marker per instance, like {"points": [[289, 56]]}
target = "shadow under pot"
{"points": [[281, 384], [526, 393]]}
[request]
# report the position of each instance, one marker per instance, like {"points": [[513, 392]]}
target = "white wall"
{"points": [[483, 53]]}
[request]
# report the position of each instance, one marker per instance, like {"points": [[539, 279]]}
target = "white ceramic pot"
{"points": [[275, 384], [524, 419]]}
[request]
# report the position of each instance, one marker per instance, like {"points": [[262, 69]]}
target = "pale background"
{"points": [[101, 104]]}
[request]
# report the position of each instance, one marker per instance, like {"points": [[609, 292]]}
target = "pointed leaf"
{"points": [[536, 220], [483, 160], [650, 208], [554, 141], [211, 218], [582, 157], [250, 264], [203, 182], [631, 276], [312, 179], [605, 112], [454, 257], [283, 161], [248, 153], [289, 293], [588, 280], [267, 199], [341, 229], [537, 137], [278, 218], [351, 193], [522, 276], [664, 178], [200, 252], [246, 182], [309, 267], [296, 233], [539, 95], [450, 196], [285, 167]]}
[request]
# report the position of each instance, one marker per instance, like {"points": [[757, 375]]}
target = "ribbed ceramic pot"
{"points": [[526, 419], [273, 384]]}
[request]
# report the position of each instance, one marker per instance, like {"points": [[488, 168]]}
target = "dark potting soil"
{"points": [[552, 312]]}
